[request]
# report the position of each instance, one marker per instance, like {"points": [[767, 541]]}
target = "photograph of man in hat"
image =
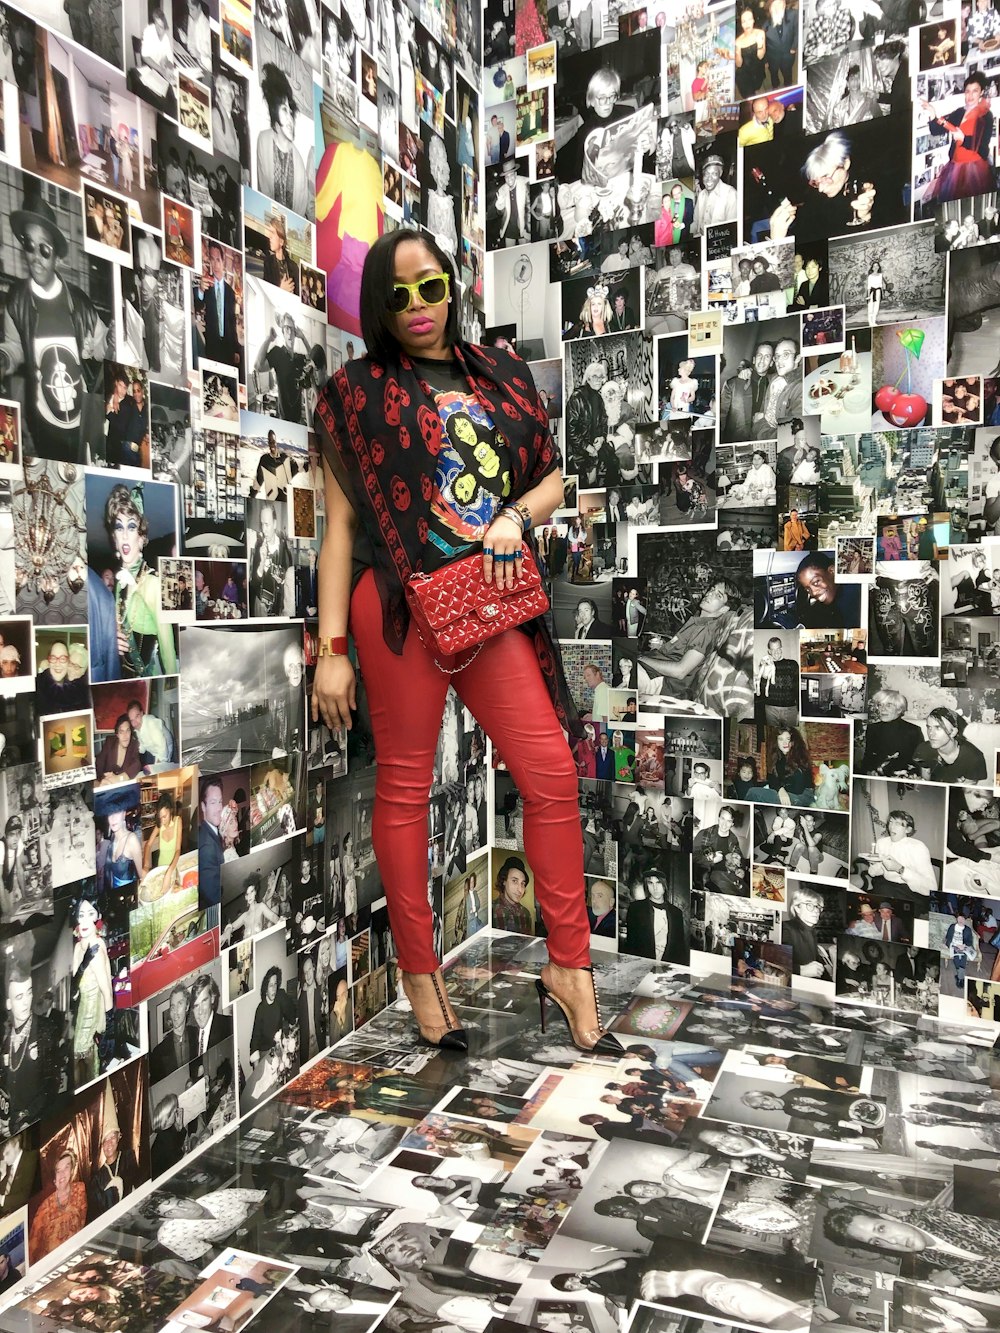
{"points": [[118, 1173], [716, 202], [54, 337]]}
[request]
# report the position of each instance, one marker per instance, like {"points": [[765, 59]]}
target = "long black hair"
{"points": [[377, 280]]}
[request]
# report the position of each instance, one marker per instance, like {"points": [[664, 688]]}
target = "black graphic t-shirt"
{"points": [[473, 468], [59, 400], [473, 472]]}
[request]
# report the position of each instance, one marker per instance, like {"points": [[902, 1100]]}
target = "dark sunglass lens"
{"points": [[432, 290], [399, 300]]}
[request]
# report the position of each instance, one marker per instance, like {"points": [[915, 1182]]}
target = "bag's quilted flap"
{"points": [[445, 598]]}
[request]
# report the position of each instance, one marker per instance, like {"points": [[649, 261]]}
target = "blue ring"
{"points": [[488, 550]]}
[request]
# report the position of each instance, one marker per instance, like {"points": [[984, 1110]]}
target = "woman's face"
{"points": [[86, 918], [746, 21], [272, 989], [420, 329], [124, 731], [284, 118], [127, 539], [784, 741]]}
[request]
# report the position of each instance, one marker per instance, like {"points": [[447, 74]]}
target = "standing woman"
{"points": [[281, 173], [165, 840], [577, 542], [585, 751], [350, 882], [123, 867], [125, 156], [392, 510], [92, 995], [874, 292], [749, 55], [145, 642]]}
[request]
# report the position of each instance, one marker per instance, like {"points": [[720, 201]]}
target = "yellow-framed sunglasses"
{"points": [[432, 291]]}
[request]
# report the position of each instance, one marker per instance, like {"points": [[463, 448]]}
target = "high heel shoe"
{"points": [[453, 1038], [606, 1043]]}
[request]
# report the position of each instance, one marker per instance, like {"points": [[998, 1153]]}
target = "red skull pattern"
{"points": [[395, 397], [431, 429]]}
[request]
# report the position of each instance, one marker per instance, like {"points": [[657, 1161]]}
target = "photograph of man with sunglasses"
{"points": [[54, 342]]}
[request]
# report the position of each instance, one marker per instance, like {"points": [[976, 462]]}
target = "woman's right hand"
{"points": [[334, 692]]}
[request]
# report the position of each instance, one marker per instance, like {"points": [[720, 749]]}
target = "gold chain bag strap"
{"points": [[455, 609]]}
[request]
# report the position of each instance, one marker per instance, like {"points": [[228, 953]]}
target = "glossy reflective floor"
{"points": [[755, 1160]]}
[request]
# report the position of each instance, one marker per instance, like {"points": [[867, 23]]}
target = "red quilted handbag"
{"points": [[455, 608]]}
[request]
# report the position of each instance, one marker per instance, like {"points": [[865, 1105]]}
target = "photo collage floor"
{"points": [[755, 1160]]}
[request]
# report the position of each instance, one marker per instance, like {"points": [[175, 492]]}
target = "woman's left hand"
{"points": [[501, 541]]}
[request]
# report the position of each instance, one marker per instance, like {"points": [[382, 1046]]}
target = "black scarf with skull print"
{"points": [[380, 432]]}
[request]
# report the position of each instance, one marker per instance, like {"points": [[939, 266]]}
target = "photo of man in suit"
{"points": [[213, 1027], [655, 928], [511, 207], [180, 1045], [604, 759], [889, 925], [588, 624], [210, 848], [313, 1012], [216, 301], [743, 395]]}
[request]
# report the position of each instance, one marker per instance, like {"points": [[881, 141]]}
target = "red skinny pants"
{"points": [[506, 693]]}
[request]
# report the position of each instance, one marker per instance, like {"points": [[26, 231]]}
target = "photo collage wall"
{"points": [[189, 904], [750, 252], [764, 325]]}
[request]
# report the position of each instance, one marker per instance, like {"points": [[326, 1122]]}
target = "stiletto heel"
{"points": [[543, 995], [606, 1043], [454, 1037]]}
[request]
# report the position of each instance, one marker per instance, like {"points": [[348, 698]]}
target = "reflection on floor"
{"points": [[755, 1159]]}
